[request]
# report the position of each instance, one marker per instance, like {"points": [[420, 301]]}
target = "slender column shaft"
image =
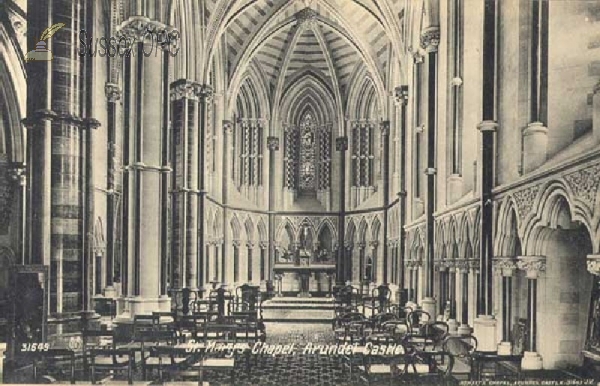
{"points": [[113, 95], [532, 313], [452, 291], [205, 99], [465, 298], [385, 143], [344, 259], [507, 307], [273, 146], [430, 41], [487, 128]]}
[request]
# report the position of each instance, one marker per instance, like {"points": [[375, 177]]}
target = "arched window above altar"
{"points": [[308, 156]]}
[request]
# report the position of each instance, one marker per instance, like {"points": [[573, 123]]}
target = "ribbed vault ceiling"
{"points": [[328, 40]]}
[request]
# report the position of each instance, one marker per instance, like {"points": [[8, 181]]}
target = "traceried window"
{"points": [[363, 158], [248, 142], [307, 158]]}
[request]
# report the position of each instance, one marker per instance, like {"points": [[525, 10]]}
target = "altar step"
{"points": [[298, 310]]}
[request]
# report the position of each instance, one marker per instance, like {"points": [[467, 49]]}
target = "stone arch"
{"points": [[263, 236], [465, 236], [557, 230], [350, 232], [249, 229], [453, 241], [286, 235], [544, 212], [361, 235], [327, 231], [440, 240], [508, 240], [236, 229], [376, 229]]}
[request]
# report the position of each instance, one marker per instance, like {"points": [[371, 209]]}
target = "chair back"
{"points": [[417, 318], [460, 346], [380, 319]]}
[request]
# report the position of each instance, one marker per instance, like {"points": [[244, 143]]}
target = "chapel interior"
{"points": [[253, 175]]}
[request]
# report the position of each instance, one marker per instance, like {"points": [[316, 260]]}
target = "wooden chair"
{"points": [[417, 318], [379, 301], [428, 368], [111, 359], [341, 332], [462, 349], [52, 362], [149, 353], [376, 368]]}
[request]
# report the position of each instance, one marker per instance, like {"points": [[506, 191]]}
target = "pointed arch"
{"points": [[236, 229], [376, 229], [249, 229], [350, 232], [263, 236], [362, 231]]}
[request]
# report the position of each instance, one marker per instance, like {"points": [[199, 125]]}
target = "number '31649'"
{"points": [[35, 347]]}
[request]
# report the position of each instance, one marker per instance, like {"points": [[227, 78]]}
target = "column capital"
{"points": [[430, 38], [227, 126], [385, 127], [341, 143], [184, 89], [487, 126], [417, 57], [430, 171], [474, 264], [462, 265], [401, 95], [532, 265], [373, 244], [18, 173], [112, 92], [593, 264], [449, 263], [506, 265], [273, 143], [205, 92], [596, 88], [138, 29]]}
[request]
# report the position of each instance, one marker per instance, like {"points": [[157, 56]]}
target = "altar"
{"points": [[304, 274]]}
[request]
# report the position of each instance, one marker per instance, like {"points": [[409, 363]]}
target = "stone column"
{"points": [[485, 324], [18, 173], [452, 322], [57, 120], [535, 136], [409, 270], [401, 98], [273, 146], [430, 39], [533, 267], [204, 98], [385, 143], [113, 95], [226, 249], [596, 112], [184, 190], [462, 267], [145, 163], [506, 267], [341, 145]]}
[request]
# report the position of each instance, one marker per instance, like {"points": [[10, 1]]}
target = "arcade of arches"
{"points": [[446, 148]]}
